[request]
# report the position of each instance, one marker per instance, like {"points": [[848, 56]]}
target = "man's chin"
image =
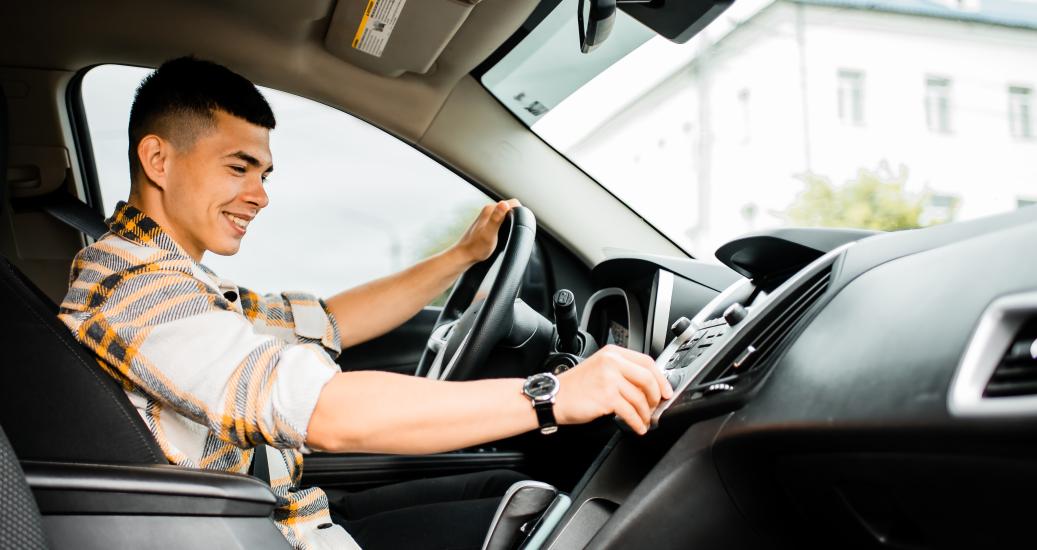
{"points": [[226, 249]]}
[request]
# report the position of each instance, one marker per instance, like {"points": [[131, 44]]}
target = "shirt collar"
{"points": [[134, 225]]}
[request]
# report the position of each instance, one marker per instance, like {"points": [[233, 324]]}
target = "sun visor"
{"points": [[391, 37]]}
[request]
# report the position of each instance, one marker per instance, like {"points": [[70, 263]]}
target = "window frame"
{"points": [[1020, 128], [850, 99], [81, 140], [938, 104]]}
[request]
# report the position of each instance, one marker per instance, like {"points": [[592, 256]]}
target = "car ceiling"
{"points": [[275, 43]]}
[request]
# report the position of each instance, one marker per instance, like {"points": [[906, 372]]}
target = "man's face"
{"points": [[215, 186]]}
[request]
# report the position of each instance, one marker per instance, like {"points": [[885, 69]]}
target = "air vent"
{"points": [[995, 377], [771, 333], [1016, 373]]}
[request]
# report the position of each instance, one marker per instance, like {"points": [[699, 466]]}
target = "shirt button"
{"points": [[231, 295]]}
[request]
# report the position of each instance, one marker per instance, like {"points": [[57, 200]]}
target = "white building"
{"points": [[828, 87]]}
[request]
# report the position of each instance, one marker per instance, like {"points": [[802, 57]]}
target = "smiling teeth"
{"points": [[238, 221]]}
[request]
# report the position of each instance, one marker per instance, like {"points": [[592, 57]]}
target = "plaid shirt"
{"points": [[214, 369]]}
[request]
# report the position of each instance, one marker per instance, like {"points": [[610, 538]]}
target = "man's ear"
{"points": [[153, 153]]}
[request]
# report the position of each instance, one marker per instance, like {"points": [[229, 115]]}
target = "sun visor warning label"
{"points": [[376, 25]]}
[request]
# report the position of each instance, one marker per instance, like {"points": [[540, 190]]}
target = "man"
{"points": [[215, 369]]}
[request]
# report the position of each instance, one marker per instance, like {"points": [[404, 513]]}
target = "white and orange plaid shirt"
{"points": [[214, 369]]}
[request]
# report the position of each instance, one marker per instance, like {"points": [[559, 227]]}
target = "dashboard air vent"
{"points": [[1016, 373], [771, 332]]}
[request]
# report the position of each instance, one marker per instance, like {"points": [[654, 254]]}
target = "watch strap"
{"points": [[546, 417]]}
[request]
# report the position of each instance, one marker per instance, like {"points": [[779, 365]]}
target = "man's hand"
{"points": [[613, 380], [377, 307], [479, 241]]}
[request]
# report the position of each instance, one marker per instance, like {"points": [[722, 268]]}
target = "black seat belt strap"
{"points": [[68, 210], [260, 464]]}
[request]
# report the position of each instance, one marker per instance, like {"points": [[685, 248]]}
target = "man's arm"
{"points": [[372, 309], [382, 412]]}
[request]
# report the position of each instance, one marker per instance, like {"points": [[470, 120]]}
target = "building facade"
{"points": [[938, 94]]}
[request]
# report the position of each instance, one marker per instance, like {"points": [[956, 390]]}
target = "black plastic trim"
{"points": [[81, 138], [359, 470], [776, 253], [68, 488]]}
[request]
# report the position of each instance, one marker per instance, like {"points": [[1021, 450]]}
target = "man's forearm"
{"points": [[372, 309], [380, 412]]}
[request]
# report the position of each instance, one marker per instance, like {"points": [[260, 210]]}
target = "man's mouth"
{"points": [[238, 222]]}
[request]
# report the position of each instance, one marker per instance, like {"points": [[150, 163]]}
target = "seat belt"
{"points": [[260, 466], [68, 210]]}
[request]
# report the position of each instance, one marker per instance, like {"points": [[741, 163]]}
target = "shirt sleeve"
{"points": [[182, 343], [293, 316]]}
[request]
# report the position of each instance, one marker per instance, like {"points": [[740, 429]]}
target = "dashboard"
{"points": [[832, 389]]}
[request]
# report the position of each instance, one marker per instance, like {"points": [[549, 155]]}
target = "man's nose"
{"points": [[256, 193]]}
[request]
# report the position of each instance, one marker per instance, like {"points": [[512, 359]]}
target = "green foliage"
{"points": [[874, 200], [445, 233]]}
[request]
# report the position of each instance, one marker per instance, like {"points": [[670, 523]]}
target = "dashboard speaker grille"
{"points": [[772, 332], [1016, 373]]}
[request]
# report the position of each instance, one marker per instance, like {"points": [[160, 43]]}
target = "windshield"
{"points": [[876, 114]]}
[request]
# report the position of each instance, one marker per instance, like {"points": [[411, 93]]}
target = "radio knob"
{"points": [[734, 314], [679, 326]]}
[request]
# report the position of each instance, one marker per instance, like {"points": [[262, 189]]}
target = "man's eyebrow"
{"points": [[250, 160]]}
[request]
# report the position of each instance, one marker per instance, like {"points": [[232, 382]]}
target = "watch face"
{"points": [[541, 386]]}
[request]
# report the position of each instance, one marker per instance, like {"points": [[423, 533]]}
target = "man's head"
{"points": [[199, 152]]}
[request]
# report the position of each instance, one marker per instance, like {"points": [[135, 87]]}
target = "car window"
{"points": [[348, 202], [873, 114]]}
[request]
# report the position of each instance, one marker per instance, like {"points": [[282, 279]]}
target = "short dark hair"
{"points": [[179, 100]]}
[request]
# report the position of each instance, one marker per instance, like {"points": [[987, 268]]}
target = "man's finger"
{"points": [[647, 362], [664, 385], [499, 211], [625, 411], [643, 379], [635, 397]]}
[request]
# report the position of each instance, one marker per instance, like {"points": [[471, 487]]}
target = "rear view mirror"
{"points": [[676, 21], [595, 19]]}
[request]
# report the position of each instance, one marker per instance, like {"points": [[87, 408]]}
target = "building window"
{"points": [[1019, 112], [940, 208], [938, 104], [851, 97]]}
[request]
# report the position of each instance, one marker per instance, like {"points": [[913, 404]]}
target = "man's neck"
{"points": [[157, 212]]}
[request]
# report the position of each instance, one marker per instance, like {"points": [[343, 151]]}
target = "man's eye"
{"points": [[238, 169]]}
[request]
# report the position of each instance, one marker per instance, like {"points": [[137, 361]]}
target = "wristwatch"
{"points": [[541, 390]]}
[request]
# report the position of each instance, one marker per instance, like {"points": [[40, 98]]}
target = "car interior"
{"points": [[833, 387]]}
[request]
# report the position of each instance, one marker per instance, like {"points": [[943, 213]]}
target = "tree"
{"points": [[444, 233], [876, 199]]}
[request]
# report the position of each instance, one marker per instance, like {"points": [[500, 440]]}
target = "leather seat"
{"points": [[21, 526], [56, 403]]}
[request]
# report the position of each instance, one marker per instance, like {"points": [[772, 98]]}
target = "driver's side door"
{"points": [[348, 203]]}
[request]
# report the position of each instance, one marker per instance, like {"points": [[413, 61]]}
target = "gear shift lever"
{"points": [[564, 303], [522, 504]]}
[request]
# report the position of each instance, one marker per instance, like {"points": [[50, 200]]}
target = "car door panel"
{"points": [[396, 351]]}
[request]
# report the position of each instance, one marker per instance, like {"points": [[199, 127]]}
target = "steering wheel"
{"points": [[467, 330]]}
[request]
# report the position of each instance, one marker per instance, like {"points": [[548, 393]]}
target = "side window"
{"points": [[348, 202]]}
